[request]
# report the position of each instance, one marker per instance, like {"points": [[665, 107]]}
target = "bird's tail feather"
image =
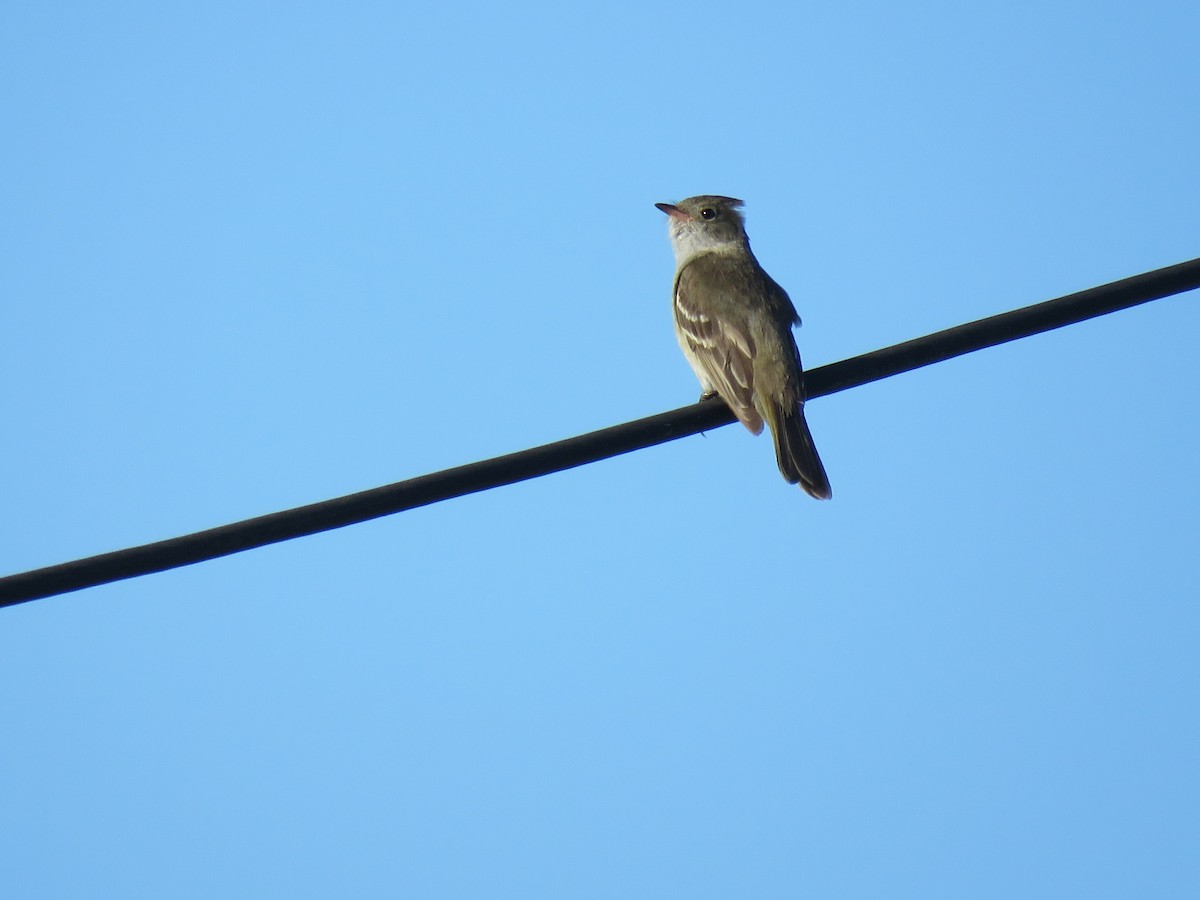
{"points": [[797, 454]]}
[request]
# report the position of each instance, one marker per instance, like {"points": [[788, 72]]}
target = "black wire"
{"points": [[586, 448]]}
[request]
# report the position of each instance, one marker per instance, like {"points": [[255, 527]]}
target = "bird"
{"points": [[734, 324]]}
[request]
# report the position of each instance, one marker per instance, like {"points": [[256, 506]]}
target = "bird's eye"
{"points": [[708, 213]]}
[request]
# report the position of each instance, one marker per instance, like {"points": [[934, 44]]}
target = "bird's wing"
{"points": [[709, 324]]}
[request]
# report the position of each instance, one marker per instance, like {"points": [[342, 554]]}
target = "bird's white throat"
{"points": [[690, 238]]}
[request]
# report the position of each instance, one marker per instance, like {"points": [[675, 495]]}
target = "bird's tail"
{"points": [[797, 454]]}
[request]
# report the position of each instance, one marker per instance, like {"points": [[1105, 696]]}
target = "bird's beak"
{"points": [[672, 210]]}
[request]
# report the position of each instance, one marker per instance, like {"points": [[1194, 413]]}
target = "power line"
{"points": [[586, 448]]}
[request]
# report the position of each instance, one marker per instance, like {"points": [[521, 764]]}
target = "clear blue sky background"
{"points": [[256, 255]]}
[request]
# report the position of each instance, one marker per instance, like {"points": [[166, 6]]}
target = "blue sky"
{"points": [[257, 255]]}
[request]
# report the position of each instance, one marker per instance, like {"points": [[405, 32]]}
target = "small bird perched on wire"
{"points": [[734, 324]]}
